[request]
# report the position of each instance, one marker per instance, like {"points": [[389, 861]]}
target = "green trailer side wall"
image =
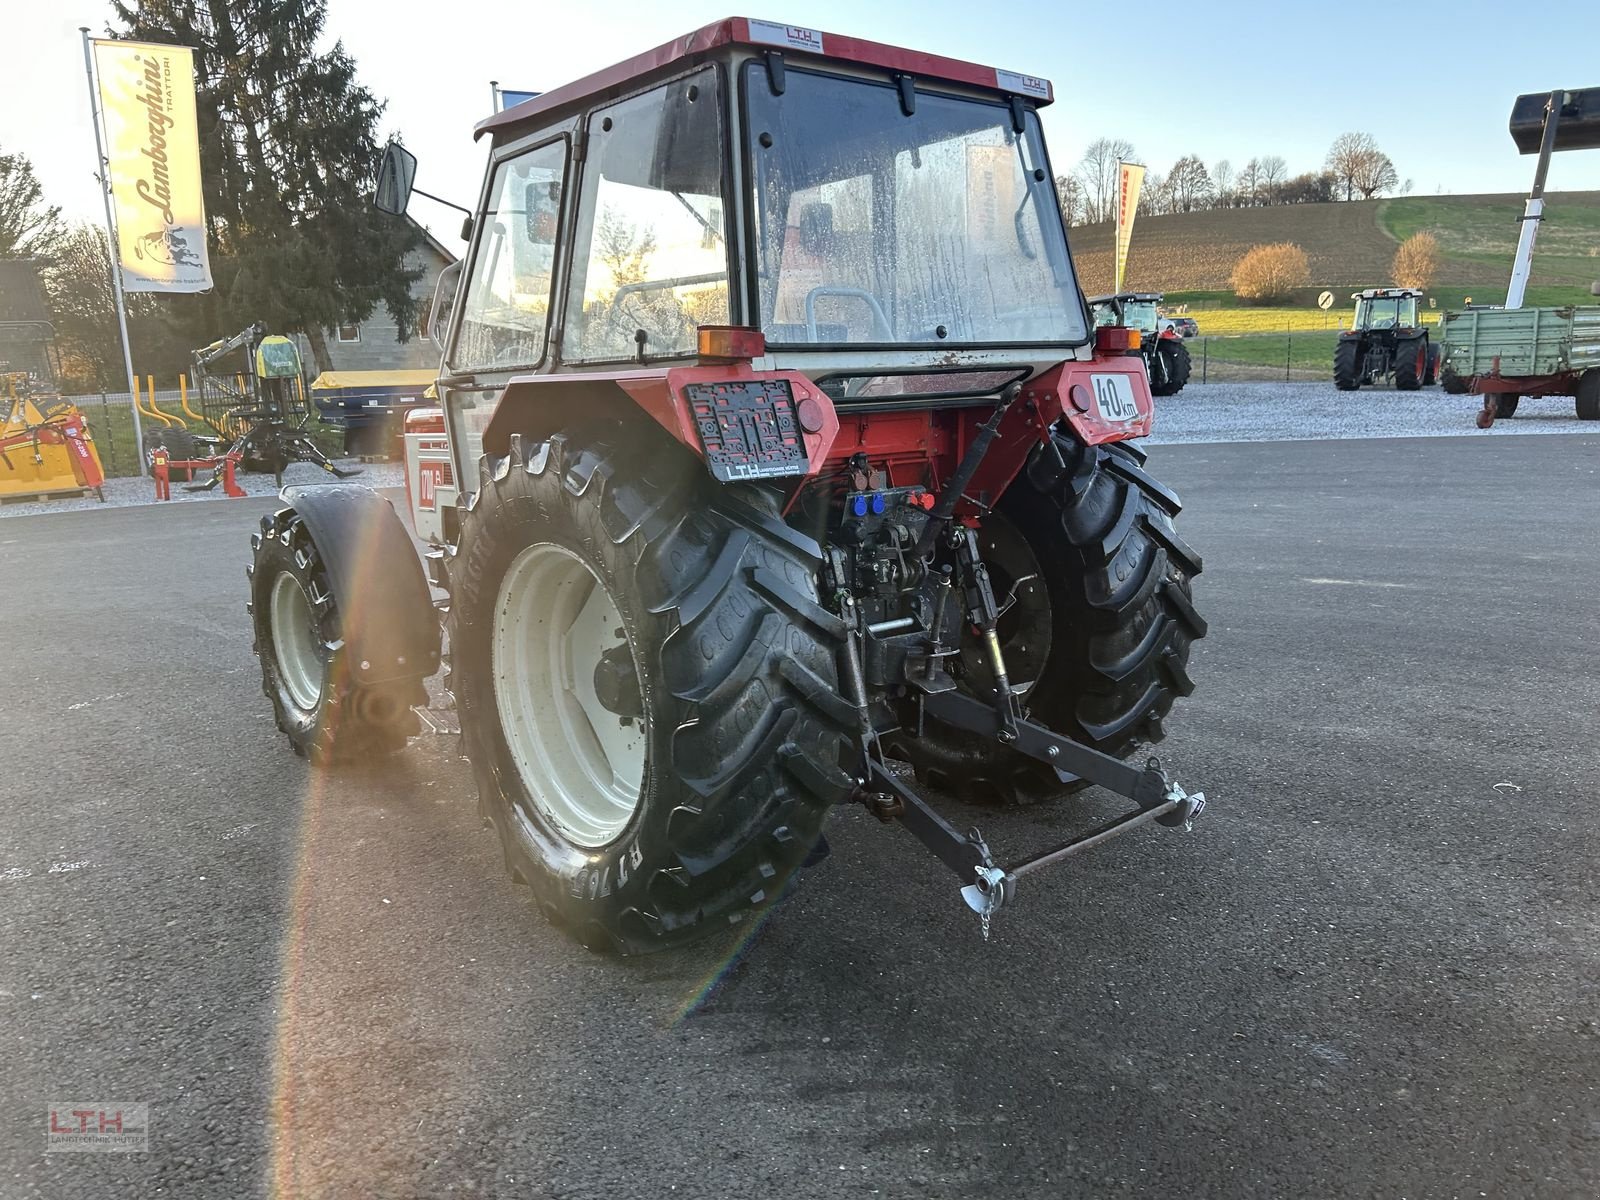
{"points": [[1528, 341]]}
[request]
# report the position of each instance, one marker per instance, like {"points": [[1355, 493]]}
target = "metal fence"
{"points": [[1305, 355]]}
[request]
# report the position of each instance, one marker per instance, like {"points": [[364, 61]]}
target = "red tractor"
{"points": [[775, 449]]}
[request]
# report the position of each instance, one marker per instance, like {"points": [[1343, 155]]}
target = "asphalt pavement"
{"points": [[1371, 970]]}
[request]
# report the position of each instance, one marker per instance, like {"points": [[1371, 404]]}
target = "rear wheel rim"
{"points": [[294, 642], [581, 766]]}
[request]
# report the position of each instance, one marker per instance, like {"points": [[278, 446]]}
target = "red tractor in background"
{"points": [[775, 448]]}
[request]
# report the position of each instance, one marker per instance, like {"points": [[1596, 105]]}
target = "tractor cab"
{"points": [[1136, 310], [880, 221], [1386, 308]]}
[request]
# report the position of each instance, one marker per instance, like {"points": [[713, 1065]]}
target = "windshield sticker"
{"points": [[795, 36], [1028, 85]]}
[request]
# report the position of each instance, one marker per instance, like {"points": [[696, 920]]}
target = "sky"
{"points": [[1224, 79]]}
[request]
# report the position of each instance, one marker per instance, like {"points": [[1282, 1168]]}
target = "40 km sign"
{"points": [[153, 164]]}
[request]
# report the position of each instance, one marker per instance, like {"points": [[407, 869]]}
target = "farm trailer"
{"points": [[1506, 353]]}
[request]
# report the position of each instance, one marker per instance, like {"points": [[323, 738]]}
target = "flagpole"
{"points": [[494, 89], [100, 173]]}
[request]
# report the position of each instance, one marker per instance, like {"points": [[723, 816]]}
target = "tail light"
{"points": [[1115, 339]]}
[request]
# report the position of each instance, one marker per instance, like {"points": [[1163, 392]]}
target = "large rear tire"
{"points": [[327, 716], [1588, 396], [1432, 374], [1175, 358], [1103, 635], [701, 702], [1410, 365], [1347, 364]]}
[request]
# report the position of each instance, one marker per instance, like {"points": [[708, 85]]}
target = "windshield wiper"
{"points": [[695, 213]]}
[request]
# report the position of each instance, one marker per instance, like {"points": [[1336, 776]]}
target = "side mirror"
{"points": [[444, 299], [397, 170]]}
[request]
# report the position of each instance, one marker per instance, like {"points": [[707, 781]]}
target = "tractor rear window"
{"points": [[878, 227]]}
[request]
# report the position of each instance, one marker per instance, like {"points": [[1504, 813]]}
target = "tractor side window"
{"points": [[506, 315], [650, 259]]}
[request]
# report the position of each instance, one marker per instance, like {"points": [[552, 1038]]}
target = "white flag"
{"points": [[153, 153], [1130, 177]]}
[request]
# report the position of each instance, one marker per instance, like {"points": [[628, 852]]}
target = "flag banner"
{"points": [[153, 165], [1130, 178], [509, 98]]}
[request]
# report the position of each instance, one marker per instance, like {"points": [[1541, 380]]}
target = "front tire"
{"points": [[1175, 358], [1103, 634], [326, 715], [720, 666]]}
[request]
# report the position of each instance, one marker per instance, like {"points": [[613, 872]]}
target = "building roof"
{"points": [[767, 35], [432, 242]]}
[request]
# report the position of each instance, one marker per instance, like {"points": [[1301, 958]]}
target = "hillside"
{"points": [[1352, 244]]}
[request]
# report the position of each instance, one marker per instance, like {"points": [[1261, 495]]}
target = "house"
{"points": [[374, 344]]}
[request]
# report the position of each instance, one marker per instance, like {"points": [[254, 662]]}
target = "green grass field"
{"points": [[1307, 351]]}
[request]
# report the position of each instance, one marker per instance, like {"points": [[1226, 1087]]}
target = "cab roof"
{"points": [[769, 35], [1156, 296]]}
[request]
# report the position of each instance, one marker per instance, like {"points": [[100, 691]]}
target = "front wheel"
{"points": [[647, 687], [327, 715], [1098, 623], [1174, 358]]}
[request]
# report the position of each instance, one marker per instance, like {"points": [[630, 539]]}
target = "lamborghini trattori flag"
{"points": [[1130, 178], [153, 164]]}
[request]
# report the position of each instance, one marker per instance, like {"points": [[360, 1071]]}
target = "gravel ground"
{"points": [[123, 493], [1297, 412]]}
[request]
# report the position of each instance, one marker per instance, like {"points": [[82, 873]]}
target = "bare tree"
{"points": [[1272, 172], [1376, 176], [29, 228], [1070, 194], [1359, 166], [1222, 176], [1097, 173], [1190, 183], [1154, 197], [1248, 185]]}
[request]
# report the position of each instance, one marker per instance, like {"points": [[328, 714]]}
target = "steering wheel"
{"points": [[880, 322]]}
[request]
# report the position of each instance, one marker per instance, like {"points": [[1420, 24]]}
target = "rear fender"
{"points": [[1106, 399], [386, 612], [540, 405]]}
